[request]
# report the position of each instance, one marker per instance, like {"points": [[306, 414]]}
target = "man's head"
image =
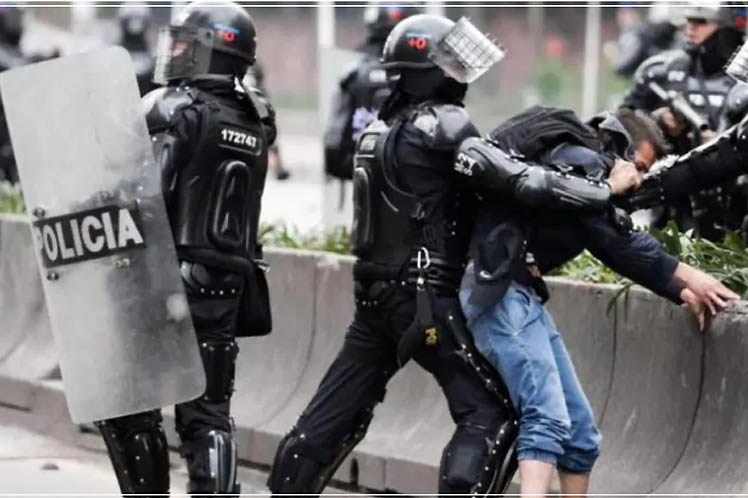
{"points": [[699, 29], [648, 140]]}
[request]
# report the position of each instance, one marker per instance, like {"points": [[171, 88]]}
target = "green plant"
{"points": [[337, 240], [727, 260], [11, 199]]}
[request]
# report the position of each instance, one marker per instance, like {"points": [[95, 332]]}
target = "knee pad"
{"points": [[211, 464], [299, 467], [294, 472], [219, 360], [139, 453], [479, 460]]}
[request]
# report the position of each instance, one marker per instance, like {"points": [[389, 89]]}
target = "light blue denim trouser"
{"points": [[520, 339]]}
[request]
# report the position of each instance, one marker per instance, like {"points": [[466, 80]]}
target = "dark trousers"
{"points": [[356, 381], [215, 322]]}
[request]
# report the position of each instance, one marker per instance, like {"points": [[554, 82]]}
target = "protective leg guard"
{"points": [[138, 450], [294, 471], [219, 359], [211, 464], [480, 460]]}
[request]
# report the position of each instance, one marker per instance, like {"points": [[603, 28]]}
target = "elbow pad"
{"points": [[487, 164], [533, 185]]}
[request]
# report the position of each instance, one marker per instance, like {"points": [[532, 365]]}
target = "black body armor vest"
{"points": [[215, 192], [392, 224]]}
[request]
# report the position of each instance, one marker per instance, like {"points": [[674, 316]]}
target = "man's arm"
{"points": [[641, 258], [634, 255], [487, 167]]}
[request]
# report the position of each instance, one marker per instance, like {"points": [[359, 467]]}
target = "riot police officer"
{"points": [[414, 209], [11, 31], [642, 40], [211, 142], [696, 72], [361, 90], [134, 23]]}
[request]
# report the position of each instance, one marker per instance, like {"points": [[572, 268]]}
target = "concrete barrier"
{"points": [[653, 396], [669, 425], [715, 459], [269, 369], [332, 285], [26, 344], [582, 315]]}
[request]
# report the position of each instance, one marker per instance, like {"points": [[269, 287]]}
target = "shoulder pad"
{"points": [[736, 106], [444, 126], [161, 104], [658, 66]]}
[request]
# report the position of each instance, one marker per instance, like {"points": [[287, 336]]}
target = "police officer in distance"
{"points": [[413, 213], [11, 31], [361, 90], [134, 23], [713, 32], [642, 40], [210, 140]]}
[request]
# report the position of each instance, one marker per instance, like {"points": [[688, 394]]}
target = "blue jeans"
{"points": [[520, 339]]}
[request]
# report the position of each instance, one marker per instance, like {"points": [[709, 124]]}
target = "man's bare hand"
{"points": [[624, 177], [705, 287], [696, 305]]}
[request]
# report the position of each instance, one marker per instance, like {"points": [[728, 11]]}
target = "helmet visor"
{"points": [[464, 53], [182, 52]]}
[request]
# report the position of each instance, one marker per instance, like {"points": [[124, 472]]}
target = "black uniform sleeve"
{"points": [[704, 167], [338, 140], [487, 167], [635, 255]]}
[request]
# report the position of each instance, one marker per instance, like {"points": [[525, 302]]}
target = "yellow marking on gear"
{"points": [[431, 336]]}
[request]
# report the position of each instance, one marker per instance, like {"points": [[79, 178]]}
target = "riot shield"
{"points": [[111, 279]]}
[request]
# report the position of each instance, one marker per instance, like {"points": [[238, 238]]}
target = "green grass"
{"points": [[11, 199], [337, 240]]}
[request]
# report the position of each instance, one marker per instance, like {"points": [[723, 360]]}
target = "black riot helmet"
{"points": [[207, 38], [11, 24], [428, 56], [380, 18]]}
